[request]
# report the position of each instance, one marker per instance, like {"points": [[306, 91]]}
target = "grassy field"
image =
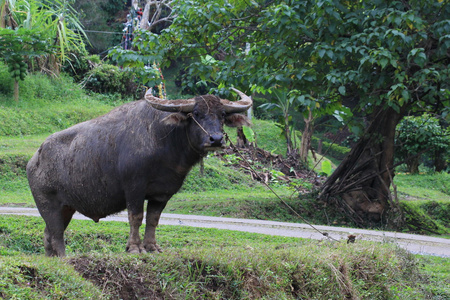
{"points": [[209, 264]]}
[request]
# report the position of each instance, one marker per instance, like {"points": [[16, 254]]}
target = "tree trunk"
{"points": [[144, 25], [440, 164], [6, 18], [135, 4], [360, 185], [16, 90], [287, 135], [306, 137], [152, 14], [413, 165], [3, 9], [319, 147]]}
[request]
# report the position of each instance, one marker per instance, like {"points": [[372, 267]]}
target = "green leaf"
{"points": [[322, 52], [383, 62], [342, 90], [249, 134], [326, 167], [356, 130]]}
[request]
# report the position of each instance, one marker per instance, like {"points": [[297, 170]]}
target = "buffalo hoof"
{"points": [[136, 249], [153, 248]]}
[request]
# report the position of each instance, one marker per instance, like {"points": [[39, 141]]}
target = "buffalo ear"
{"points": [[236, 120], [175, 119]]}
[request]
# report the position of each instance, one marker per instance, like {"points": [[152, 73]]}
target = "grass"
{"points": [[426, 199], [209, 263], [25, 145], [37, 118], [434, 187]]}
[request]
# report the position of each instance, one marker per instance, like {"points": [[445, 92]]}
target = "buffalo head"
{"points": [[203, 117]]}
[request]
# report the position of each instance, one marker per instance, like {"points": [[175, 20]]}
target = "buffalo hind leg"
{"points": [[154, 209], [56, 222]]}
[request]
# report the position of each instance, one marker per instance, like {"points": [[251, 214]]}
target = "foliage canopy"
{"points": [[383, 53]]}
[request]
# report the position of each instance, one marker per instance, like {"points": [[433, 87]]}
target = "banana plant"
{"points": [[55, 20]]}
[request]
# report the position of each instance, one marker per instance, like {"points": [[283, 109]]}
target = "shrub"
{"points": [[81, 65], [109, 79], [43, 87]]}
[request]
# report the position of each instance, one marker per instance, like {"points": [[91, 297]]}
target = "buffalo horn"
{"points": [[237, 106], [187, 105], [181, 105]]}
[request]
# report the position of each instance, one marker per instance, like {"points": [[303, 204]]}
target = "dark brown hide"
{"points": [[117, 161]]}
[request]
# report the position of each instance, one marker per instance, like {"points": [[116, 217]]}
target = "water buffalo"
{"points": [[139, 151]]}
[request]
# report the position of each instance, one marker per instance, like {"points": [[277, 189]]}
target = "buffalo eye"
{"points": [[196, 114]]}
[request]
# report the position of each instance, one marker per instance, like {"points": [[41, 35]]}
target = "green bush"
{"points": [[37, 90], [109, 79], [15, 164], [25, 277], [81, 65], [20, 121], [439, 211], [42, 87]]}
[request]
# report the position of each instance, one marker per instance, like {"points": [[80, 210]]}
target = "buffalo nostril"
{"points": [[216, 139]]}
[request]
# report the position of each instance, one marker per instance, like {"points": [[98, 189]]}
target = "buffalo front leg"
{"points": [[154, 209], [134, 244]]}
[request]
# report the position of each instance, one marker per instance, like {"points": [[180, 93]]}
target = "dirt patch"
{"points": [[128, 284], [142, 278]]}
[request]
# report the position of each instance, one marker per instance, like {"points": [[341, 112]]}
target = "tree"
{"points": [[15, 46], [396, 63], [421, 135], [156, 12], [41, 30], [388, 58]]}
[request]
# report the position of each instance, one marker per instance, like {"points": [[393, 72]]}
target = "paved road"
{"points": [[418, 244]]}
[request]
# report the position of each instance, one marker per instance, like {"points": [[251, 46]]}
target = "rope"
{"points": [[189, 140], [192, 116], [272, 190]]}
